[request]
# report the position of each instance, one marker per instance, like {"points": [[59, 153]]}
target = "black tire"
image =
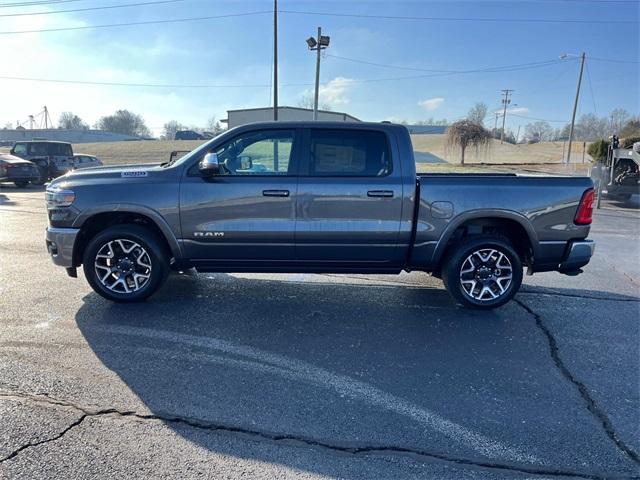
{"points": [[157, 258], [42, 178], [458, 257], [21, 184]]}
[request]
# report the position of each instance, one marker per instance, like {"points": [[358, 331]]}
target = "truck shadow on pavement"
{"points": [[346, 368]]}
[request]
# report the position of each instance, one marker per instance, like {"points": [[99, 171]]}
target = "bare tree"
{"points": [[631, 128], [124, 122], [214, 126], [591, 127], [465, 133], [170, 128], [478, 113], [619, 117], [538, 131], [306, 101], [70, 121]]}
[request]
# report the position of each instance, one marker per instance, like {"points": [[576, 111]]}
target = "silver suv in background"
{"points": [[81, 160], [52, 158]]}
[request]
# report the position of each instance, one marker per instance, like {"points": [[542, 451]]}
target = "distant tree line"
{"points": [[133, 124]]}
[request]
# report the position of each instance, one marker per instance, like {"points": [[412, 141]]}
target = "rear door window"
{"points": [[348, 153], [39, 149], [61, 149]]}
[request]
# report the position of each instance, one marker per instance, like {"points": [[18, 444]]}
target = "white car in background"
{"points": [[80, 160]]}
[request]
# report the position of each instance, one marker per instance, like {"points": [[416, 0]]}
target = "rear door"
{"points": [[245, 215], [349, 198], [62, 155]]}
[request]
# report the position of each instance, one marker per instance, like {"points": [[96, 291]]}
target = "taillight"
{"points": [[584, 214]]}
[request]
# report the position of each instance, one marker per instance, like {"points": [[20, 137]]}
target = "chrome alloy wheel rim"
{"points": [[486, 274], [123, 266]]}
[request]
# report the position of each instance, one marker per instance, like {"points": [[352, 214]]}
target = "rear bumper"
{"points": [[60, 243], [579, 253]]}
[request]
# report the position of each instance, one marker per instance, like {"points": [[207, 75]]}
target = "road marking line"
{"points": [[342, 384]]}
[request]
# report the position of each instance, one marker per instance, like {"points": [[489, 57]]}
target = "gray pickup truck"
{"points": [[315, 197]]}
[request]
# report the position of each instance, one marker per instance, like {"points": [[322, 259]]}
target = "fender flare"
{"points": [[483, 214], [153, 215]]}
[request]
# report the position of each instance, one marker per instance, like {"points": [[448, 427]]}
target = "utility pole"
{"points": [[575, 107], [505, 101], [318, 44], [317, 92], [518, 134], [275, 60]]}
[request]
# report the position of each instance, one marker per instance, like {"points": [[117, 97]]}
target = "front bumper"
{"points": [[60, 243], [579, 253]]}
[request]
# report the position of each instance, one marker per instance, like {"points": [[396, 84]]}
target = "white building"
{"points": [[9, 136], [250, 115]]}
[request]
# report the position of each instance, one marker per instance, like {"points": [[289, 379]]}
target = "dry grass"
{"points": [[496, 153], [115, 153]]}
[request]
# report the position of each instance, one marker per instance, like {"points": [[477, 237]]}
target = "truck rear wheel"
{"points": [[125, 263], [482, 272]]}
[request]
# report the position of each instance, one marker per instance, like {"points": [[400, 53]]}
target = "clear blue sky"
{"points": [[238, 51]]}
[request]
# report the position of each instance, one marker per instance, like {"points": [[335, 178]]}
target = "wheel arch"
{"points": [[513, 225], [96, 220]]}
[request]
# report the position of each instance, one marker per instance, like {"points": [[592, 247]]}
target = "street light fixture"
{"points": [[318, 44]]}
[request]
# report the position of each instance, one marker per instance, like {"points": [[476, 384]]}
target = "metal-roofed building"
{"points": [[291, 114]]}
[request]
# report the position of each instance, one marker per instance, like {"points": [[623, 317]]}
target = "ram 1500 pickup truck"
{"points": [[315, 197]]}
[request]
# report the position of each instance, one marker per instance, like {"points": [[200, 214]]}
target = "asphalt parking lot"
{"points": [[316, 376]]}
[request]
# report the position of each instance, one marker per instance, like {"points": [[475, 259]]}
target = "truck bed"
{"points": [[540, 207]]}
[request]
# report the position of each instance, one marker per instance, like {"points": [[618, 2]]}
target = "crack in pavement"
{"points": [[590, 402], [289, 440]]}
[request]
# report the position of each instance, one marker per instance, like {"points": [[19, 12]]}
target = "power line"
{"points": [[148, 22], [145, 85], [87, 9], [457, 19], [504, 68], [395, 67], [459, 72], [614, 60], [538, 119], [35, 4], [497, 68]]}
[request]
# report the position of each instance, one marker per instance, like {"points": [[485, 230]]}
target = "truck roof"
{"points": [[320, 124]]}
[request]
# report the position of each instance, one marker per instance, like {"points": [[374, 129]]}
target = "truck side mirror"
{"points": [[209, 165]]}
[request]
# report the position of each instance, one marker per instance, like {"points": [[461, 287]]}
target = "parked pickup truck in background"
{"points": [[315, 197]]}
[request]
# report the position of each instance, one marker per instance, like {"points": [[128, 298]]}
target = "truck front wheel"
{"points": [[482, 272], [125, 263]]}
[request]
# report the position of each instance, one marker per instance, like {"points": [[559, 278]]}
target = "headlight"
{"points": [[56, 197]]}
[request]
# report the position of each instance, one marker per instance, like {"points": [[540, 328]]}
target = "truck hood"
{"points": [[115, 171]]}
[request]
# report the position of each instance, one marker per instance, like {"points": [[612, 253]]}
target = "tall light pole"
{"points": [[275, 60], [318, 44], [575, 103], [505, 101]]}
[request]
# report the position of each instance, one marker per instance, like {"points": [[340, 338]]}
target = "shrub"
{"points": [[598, 150]]}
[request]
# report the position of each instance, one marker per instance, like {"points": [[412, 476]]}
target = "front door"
{"points": [[349, 199], [246, 214]]}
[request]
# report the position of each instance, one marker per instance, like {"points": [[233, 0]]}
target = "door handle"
{"points": [[275, 193], [380, 193]]}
